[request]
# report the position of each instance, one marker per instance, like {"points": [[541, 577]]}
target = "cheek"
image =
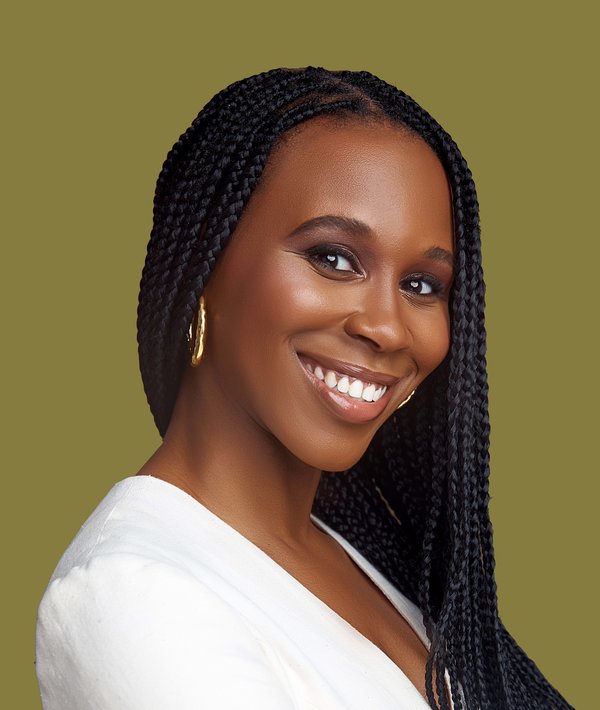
{"points": [[280, 297], [263, 301], [432, 342]]}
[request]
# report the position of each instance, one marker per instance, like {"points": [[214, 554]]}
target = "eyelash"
{"points": [[324, 250]]}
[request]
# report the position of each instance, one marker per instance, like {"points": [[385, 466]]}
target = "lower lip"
{"points": [[351, 410]]}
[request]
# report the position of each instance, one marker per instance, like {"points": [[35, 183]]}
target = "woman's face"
{"points": [[330, 303]]}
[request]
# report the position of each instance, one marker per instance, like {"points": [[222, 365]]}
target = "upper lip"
{"points": [[347, 368]]}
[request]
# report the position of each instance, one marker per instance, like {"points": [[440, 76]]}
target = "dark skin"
{"points": [[249, 436]]}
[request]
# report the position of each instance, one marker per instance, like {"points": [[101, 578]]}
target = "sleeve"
{"points": [[123, 632]]}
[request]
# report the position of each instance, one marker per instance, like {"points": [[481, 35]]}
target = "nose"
{"points": [[380, 319]]}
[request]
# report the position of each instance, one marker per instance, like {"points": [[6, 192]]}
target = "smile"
{"points": [[357, 389], [354, 399]]}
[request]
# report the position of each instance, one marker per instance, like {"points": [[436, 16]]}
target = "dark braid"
{"points": [[416, 504]]}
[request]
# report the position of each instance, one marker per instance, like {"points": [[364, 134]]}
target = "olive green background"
{"points": [[96, 94]]}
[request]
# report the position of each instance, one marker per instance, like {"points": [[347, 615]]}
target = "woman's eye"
{"points": [[338, 262], [424, 286], [333, 259], [419, 286]]}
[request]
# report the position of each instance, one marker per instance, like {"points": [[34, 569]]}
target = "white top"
{"points": [[159, 604]]}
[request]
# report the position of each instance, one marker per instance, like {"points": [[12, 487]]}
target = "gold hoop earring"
{"points": [[406, 400], [197, 333]]}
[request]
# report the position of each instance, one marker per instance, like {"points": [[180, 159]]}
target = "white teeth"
{"points": [[368, 393], [356, 389], [343, 385], [330, 379]]}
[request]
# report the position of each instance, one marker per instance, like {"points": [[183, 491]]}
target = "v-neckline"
{"points": [[407, 610], [383, 585]]}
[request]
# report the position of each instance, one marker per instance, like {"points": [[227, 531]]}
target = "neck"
{"points": [[225, 459]]}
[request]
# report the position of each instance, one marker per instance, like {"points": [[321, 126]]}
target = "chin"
{"points": [[336, 458], [326, 449]]}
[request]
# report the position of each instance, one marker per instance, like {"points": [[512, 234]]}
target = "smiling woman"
{"points": [[313, 531]]}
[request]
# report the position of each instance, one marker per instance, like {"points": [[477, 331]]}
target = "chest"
{"points": [[338, 582], [354, 597]]}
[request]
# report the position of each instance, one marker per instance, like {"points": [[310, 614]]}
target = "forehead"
{"points": [[378, 173]]}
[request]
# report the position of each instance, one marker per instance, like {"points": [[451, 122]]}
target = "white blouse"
{"points": [[159, 604]]}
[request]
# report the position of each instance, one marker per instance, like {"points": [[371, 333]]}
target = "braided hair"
{"points": [[416, 503]]}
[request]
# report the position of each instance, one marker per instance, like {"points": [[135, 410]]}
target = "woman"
{"points": [[313, 531]]}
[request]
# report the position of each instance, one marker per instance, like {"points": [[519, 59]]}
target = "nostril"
{"points": [[369, 341], [382, 337]]}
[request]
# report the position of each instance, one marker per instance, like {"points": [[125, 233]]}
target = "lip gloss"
{"points": [[348, 408]]}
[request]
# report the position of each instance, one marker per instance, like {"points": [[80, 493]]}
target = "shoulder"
{"points": [[126, 631], [135, 615], [109, 595], [140, 515]]}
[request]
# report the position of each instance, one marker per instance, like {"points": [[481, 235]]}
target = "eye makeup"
{"points": [[337, 259], [320, 254]]}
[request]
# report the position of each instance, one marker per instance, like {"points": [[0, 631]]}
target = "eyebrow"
{"points": [[333, 221], [439, 254], [357, 228]]}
